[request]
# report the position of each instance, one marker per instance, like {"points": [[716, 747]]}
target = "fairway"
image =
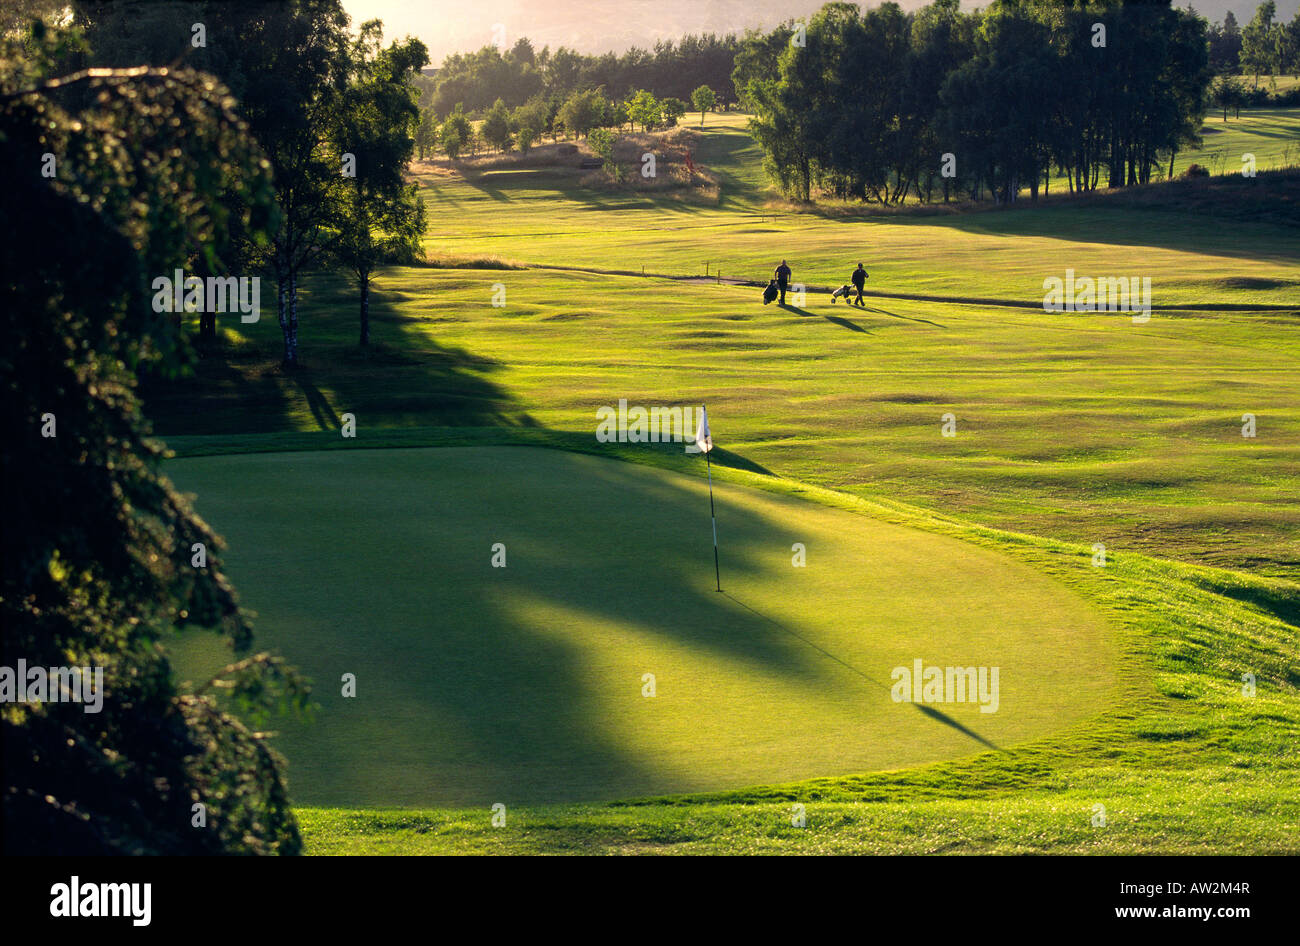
{"points": [[524, 684]]}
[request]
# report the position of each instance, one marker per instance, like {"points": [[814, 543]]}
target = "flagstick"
{"points": [[708, 466]]}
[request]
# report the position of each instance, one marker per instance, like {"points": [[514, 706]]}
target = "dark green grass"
{"points": [[524, 683], [1188, 763]]}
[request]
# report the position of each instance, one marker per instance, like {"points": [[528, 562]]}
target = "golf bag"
{"points": [[769, 294]]}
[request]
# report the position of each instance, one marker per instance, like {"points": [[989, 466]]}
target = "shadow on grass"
{"points": [[929, 711], [484, 684], [846, 323], [402, 378], [895, 315]]}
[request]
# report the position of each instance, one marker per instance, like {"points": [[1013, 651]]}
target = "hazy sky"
{"points": [[597, 26]]}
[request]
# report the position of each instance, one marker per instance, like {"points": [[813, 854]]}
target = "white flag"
{"points": [[703, 439]]}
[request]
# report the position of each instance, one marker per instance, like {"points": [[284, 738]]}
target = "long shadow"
{"points": [[403, 378], [929, 711], [317, 402], [846, 323], [1187, 216], [895, 315], [1192, 209], [835, 319]]}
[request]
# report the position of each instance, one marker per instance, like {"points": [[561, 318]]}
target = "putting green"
{"points": [[524, 684]]}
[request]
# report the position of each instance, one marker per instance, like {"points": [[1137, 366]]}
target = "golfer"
{"points": [[859, 279], [782, 279]]}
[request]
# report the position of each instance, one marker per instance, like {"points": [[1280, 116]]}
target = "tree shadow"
{"points": [[403, 378], [471, 686]]}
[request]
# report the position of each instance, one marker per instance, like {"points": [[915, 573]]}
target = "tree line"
{"points": [[1266, 47], [118, 175], [476, 80], [883, 105], [503, 128]]}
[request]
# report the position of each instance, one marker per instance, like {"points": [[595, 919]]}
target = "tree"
{"points": [[602, 143], [426, 133], [1290, 57], [1225, 46], [98, 547], [382, 216], [522, 52], [1227, 93], [703, 99], [496, 127], [285, 63], [529, 121], [671, 109], [782, 128], [455, 134], [1259, 42], [644, 108], [617, 116], [298, 53], [758, 61], [581, 112]]}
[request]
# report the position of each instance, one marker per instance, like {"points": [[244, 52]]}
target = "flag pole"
{"points": [[708, 466]]}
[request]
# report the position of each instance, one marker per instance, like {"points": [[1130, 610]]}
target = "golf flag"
{"points": [[703, 439]]}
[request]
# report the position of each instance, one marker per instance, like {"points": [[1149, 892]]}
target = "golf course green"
{"points": [[525, 683]]}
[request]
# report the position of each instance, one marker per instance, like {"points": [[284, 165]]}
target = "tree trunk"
{"points": [[281, 313], [291, 336], [365, 309]]}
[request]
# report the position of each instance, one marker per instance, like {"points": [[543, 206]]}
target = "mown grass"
{"points": [[1071, 430], [525, 682], [1085, 427], [1188, 764]]}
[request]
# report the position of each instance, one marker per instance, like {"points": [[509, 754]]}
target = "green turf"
{"points": [[1267, 133], [524, 684], [1189, 763], [1084, 427], [1071, 430]]}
